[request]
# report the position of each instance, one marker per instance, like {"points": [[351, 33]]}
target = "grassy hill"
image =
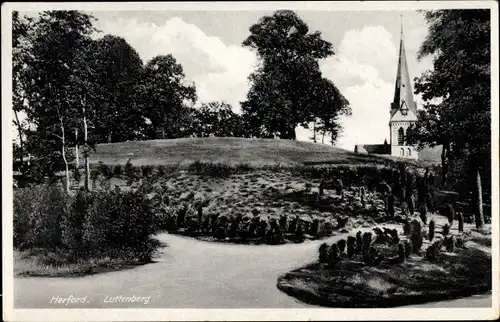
{"points": [[231, 151]]}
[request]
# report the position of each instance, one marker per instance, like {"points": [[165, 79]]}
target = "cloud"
{"points": [[219, 71], [363, 69], [371, 46]]}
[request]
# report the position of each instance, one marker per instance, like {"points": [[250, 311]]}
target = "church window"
{"points": [[409, 151], [402, 153], [401, 136]]}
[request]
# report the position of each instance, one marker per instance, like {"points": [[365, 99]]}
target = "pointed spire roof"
{"points": [[403, 94]]}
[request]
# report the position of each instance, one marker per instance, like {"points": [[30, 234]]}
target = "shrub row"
{"points": [[193, 221], [103, 222], [369, 175], [363, 245], [196, 217]]}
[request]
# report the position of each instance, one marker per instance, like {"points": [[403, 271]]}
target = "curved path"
{"points": [[193, 274]]}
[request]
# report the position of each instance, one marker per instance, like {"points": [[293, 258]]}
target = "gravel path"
{"points": [[193, 274]]}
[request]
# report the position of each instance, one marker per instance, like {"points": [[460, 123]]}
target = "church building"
{"points": [[403, 113]]}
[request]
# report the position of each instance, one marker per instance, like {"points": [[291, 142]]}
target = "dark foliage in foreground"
{"points": [[101, 223]]}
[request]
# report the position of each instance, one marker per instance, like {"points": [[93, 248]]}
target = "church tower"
{"points": [[403, 108]]}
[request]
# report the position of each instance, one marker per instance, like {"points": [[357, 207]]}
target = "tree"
{"points": [[330, 105], [280, 97], [20, 44], [52, 79], [118, 69], [218, 119], [431, 130], [459, 40], [165, 98]]}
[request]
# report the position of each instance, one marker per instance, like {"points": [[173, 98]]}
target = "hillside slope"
{"points": [[255, 152]]}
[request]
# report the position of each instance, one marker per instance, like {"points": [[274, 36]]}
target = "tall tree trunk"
{"points": [[478, 205], [445, 157], [109, 137], [20, 131], [63, 151], [314, 132], [86, 149], [77, 153]]}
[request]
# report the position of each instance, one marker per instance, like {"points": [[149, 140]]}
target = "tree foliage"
{"points": [[218, 119], [20, 55], [166, 97], [459, 41], [52, 81], [287, 87], [118, 69]]}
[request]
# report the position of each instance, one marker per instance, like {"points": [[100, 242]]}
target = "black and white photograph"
{"points": [[306, 158]]}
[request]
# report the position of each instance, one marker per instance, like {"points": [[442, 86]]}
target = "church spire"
{"points": [[403, 94], [401, 17]]}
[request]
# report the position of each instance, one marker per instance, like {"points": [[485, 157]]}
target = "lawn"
{"points": [[230, 151], [40, 262]]}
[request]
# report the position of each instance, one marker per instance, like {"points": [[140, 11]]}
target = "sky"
{"points": [[208, 45]]}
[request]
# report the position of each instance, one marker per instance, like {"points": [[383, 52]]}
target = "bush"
{"points": [[450, 213], [341, 244], [408, 248], [460, 216], [367, 241], [292, 227], [314, 229], [432, 227], [372, 257], [333, 255], [217, 170], [132, 173], [401, 253], [38, 211], [450, 243], [432, 252], [243, 168], [411, 204], [416, 236], [423, 213], [359, 242], [323, 253], [351, 246], [162, 170], [283, 222], [118, 170], [390, 205], [446, 230], [105, 170], [299, 233], [99, 223], [147, 170], [94, 175], [77, 176]]}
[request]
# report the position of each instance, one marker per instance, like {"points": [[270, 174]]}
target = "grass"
{"points": [[351, 283], [52, 264], [229, 151]]}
